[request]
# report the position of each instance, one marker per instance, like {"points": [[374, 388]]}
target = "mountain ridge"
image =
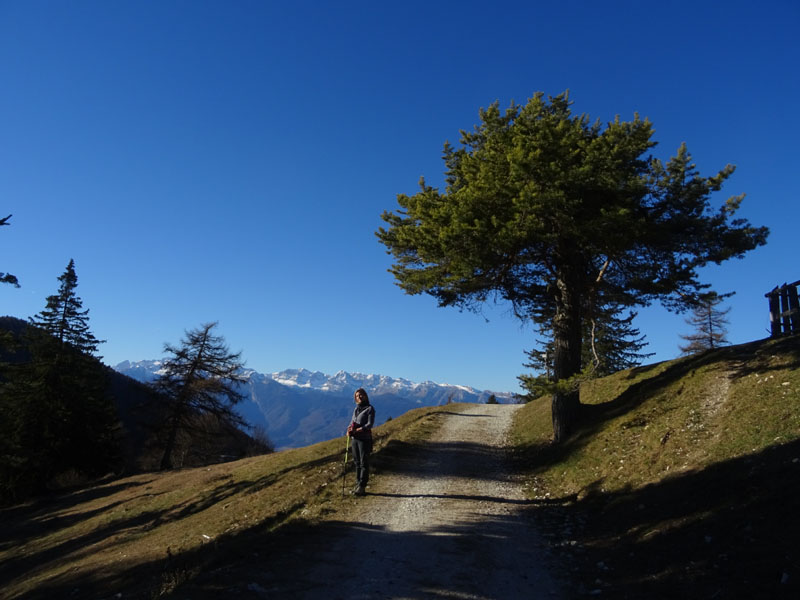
{"points": [[298, 407], [302, 377]]}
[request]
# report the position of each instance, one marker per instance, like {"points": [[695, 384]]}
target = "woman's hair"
{"points": [[362, 392]]}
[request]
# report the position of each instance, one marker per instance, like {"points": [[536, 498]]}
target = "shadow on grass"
{"points": [[50, 503], [25, 523], [105, 534], [155, 578], [756, 357], [728, 531]]}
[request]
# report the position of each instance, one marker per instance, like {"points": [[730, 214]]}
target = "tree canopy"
{"points": [[561, 216]]}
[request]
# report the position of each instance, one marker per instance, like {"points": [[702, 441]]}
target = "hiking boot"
{"points": [[359, 491]]}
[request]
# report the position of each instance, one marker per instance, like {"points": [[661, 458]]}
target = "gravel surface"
{"points": [[450, 526]]}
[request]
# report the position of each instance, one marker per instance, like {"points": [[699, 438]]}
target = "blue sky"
{"points": [[229, 161]]}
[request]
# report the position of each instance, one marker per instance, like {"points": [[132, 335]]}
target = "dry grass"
{"points": [[682, 480], [144, 536]]}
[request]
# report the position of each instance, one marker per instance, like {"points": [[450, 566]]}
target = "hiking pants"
{"points": [[361, 451]]}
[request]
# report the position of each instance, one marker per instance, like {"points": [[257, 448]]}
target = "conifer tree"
{"points": [[201, 378], [710, 325], [64, 318]]}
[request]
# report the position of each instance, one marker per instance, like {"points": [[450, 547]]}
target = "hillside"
{"points": [[137, 413], [146, 536], [682, 481]]}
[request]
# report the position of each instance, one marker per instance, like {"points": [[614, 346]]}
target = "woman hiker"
{"points": [[360, 432]]}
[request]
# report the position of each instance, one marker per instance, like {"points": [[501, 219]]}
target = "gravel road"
{"points": [[449, 526]]}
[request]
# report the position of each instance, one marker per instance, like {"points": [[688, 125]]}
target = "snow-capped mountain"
{"points": [[141, 370], [298, 407], [374, 384]]}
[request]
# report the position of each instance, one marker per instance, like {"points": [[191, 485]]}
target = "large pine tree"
{"points": [[561, 216]]}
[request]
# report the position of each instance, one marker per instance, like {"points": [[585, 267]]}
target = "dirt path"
{"points": [[449, 523], [450, 527]]}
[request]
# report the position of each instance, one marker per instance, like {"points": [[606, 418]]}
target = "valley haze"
{"points": [[298, 407]]}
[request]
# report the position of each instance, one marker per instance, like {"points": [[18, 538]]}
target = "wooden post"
{"points": [[786, 324], [794, 311], [774, 312]]}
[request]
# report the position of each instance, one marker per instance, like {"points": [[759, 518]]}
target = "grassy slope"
{"points": [[683, 480], [145, 535]]}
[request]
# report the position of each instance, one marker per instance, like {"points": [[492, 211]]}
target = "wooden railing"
{"points": [[784, 310]]}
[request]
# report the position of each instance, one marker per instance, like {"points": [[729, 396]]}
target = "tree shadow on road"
{"points": [[465, 497], [335, 560], [440, 460]]}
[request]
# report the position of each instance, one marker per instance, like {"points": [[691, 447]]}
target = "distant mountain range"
{"points": [[298, 407]]}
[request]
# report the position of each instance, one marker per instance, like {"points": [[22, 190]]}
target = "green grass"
{"points": [[682, 479]]}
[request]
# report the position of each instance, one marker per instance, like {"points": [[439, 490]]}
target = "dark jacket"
{"points": [[364, 418]]}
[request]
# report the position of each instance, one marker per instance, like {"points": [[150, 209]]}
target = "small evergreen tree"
{"points": [[64, 318], [710, 324], [201, 377], [492, 400], [7, 277]]}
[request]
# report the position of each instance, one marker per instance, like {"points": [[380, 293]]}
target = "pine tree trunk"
{"points": [[166, 459], [178, 410], [567, 340], [564, 409]]}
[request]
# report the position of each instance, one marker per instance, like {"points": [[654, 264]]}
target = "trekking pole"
{"points": [[344, 466]]}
